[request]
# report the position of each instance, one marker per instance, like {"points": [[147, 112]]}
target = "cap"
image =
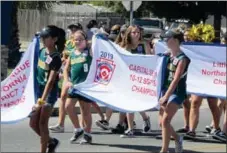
{"points": [[174, 33], [123, 28], [46, 32]]}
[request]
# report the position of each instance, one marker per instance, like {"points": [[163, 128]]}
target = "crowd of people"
{"points": [[70, 60]]}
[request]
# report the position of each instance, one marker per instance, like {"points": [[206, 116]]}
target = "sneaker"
{"points": [[183, 130], [87, 139], [190, 135], [118, 130], [76, 136], [128, 134], [147, 125], [57, 129], [53, 145], [221, 136], [215, 131], [209, 128], [179, 145], [103, 124]]}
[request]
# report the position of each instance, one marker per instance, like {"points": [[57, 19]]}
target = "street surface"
{"points": [[20, 138]]}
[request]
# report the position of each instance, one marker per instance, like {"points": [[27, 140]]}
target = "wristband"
{"points": [[41, 102]]}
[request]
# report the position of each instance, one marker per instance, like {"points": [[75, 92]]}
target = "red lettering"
{"points": [[9, 95], [14, 83], [219, 82], [27, 63], [13, 103], [143, 90]]}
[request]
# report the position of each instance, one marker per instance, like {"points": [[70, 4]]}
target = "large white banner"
{"points": [[207, 70], [17, 90], [119, 79]]}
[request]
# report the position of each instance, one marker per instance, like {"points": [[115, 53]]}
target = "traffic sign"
{"points": [[136, 5]]}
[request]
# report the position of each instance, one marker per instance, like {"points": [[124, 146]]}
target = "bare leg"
{"points": [[167, 129], [186, 107], [43, 124], [70, 104], [62, 111], [98, 109], [85, 108], [215, 111], [122, 117], [109, 113], [130, 119], [194, 112], [34, 120]]}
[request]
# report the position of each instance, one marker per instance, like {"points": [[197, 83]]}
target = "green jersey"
{"points": [[80, 65], [169, 76], [46, 63]]}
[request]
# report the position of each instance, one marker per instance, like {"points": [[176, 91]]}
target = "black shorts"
{"points": [[72, 94]]}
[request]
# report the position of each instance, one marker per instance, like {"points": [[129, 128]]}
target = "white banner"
{"points": [[207, 70], [119, 79], [17, 90]]}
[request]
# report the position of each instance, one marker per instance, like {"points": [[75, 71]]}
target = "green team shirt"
{"points": [[171, 69], [79, 66], [45, 65]]}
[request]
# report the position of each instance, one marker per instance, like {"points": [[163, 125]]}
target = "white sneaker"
{"points": [[179, 145], [128, 134], [57, 129]]}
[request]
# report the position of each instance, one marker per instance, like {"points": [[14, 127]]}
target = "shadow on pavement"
{"points": [[142, 148]]}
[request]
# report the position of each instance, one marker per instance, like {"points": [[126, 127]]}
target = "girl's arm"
{"points": [[55, 65], [49, 85], [179, 72], [66, 70]]}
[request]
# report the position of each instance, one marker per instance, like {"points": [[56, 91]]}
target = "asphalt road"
{"points": [[20, 138]]}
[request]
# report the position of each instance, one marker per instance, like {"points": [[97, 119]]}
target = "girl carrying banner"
{"points": [[77, 66], [47, 76], [173, 90], [69, 47], [132, 43]]}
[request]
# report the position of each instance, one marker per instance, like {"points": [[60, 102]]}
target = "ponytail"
{"points": [[61, 40]]}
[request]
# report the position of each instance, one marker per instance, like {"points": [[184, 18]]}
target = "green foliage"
{"points": [[14, 54], [40, 5]]}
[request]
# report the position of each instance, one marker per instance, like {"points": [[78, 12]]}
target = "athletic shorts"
{"points": [[52, 96], [174, 98], [72, 94]]}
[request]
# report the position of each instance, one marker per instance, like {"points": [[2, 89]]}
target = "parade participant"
{"points": [[173, 89], [47, 76], [77, 66], [69, 47], [186, 104], [104, 123], [222, 105], [132, 43]]}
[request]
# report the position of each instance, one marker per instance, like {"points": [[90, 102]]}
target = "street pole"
{"points": [[131, 12]]}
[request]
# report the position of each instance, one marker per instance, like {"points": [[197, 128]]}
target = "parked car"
{"points": [[152, 27]]}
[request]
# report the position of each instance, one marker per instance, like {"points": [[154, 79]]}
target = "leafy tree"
{"points": [[40, 5], [14, 45]]}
